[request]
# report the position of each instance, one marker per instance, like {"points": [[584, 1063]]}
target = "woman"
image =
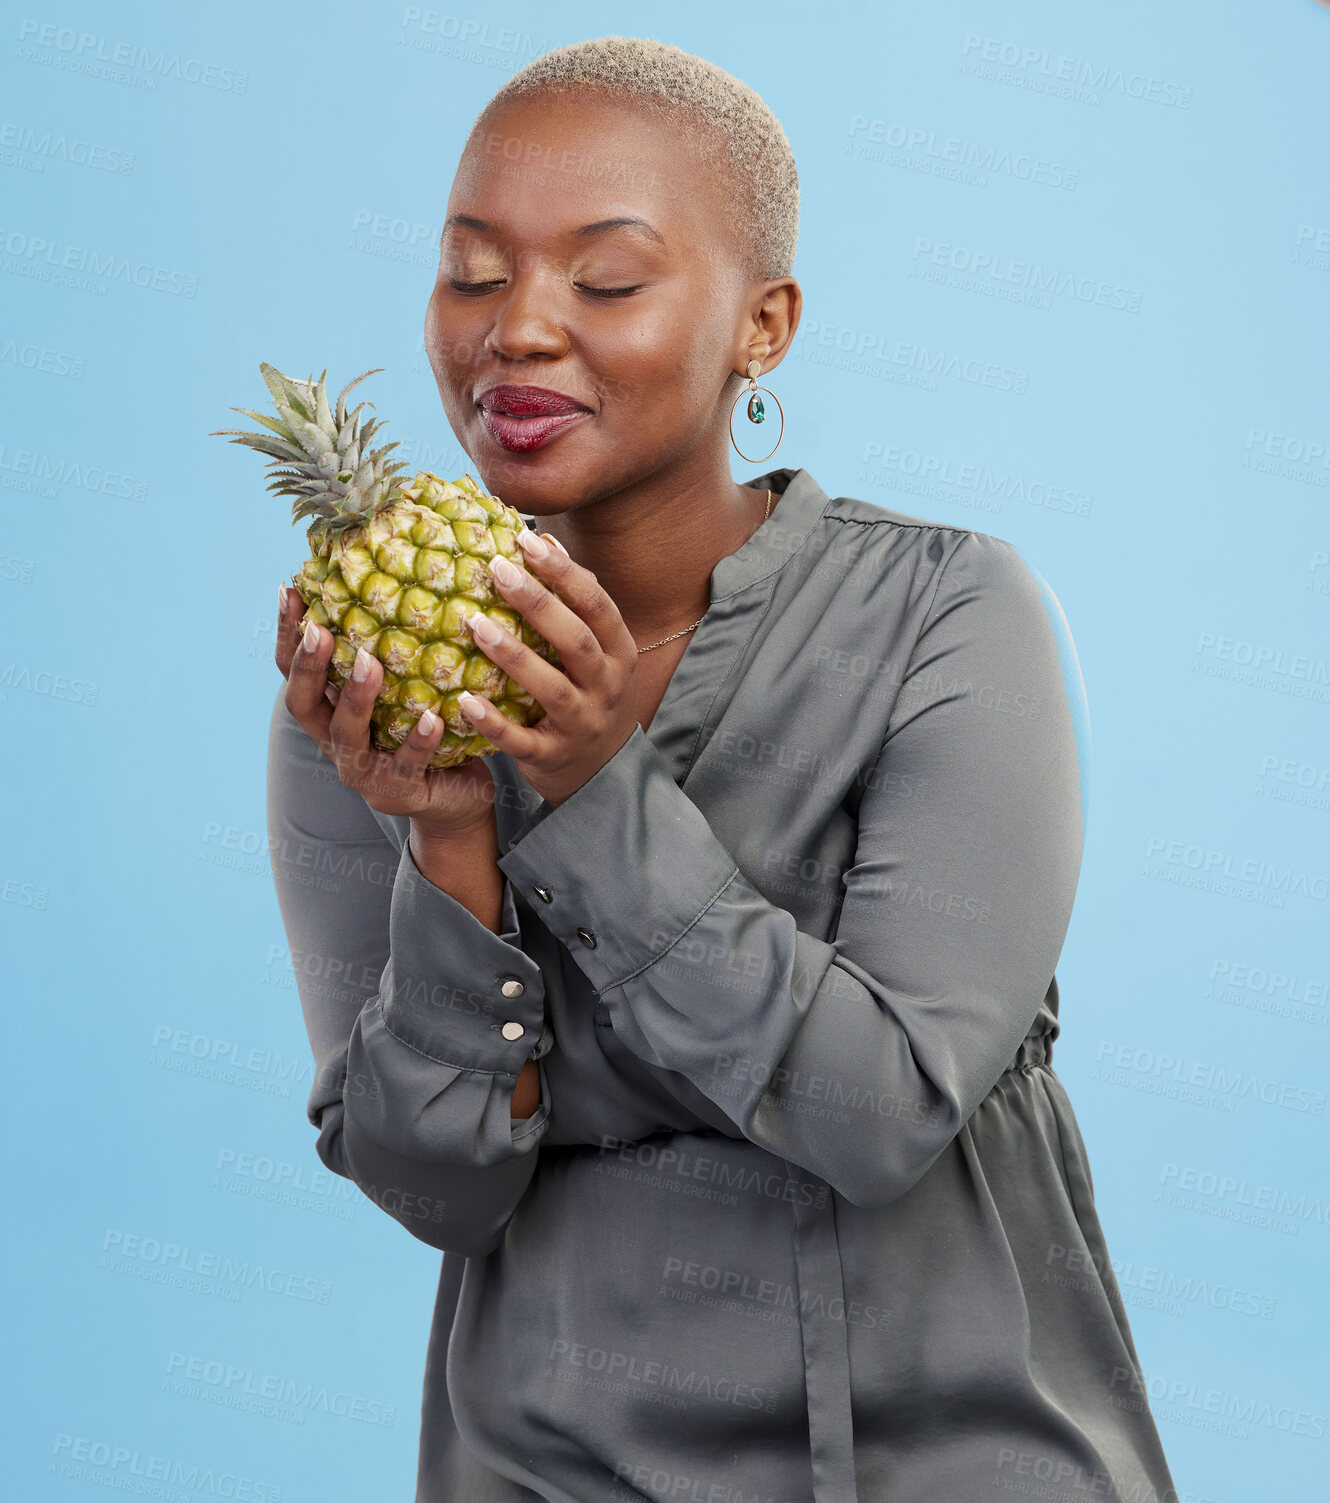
{"points": [[705, 1026]]}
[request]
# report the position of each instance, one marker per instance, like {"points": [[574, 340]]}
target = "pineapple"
{"points": [[396, 567]]}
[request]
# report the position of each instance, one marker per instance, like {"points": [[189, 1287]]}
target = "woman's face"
{"points": [[534, 289]]}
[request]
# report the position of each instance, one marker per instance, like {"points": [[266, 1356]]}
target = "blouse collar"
{"points": [[799, 506]]}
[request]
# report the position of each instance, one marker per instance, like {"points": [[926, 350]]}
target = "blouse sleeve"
{"points": [[861, 1056], [401, 988]]}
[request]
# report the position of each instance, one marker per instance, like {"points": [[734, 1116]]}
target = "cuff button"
{"points": [[513, 1030], [587, 938], [513, 988], [544, 894]]}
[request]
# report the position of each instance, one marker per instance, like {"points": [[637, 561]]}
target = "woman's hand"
{"points": [[442, 802], [590, 703]]}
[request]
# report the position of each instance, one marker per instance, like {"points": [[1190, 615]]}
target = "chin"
{"points": [[534, 489]]}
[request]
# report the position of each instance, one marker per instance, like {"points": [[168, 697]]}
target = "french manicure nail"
{"points": [[473, 707], [504, 570], [425, 725], [310, 641], [549, 537], [283, 599], [360, 668], [534, 544], [484, 630]]}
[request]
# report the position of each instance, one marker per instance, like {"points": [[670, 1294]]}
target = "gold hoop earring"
{"points": [[756, 412]]}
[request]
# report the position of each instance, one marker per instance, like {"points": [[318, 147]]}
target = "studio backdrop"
{"points": [[1066, 275]]}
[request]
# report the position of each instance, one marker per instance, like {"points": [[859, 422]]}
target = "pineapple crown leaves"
{"points": [[320, 454]]}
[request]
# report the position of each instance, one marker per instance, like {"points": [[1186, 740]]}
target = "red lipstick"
{"points": [[523, 418]]}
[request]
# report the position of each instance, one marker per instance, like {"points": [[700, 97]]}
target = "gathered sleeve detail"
{"points": [[402, 992]]}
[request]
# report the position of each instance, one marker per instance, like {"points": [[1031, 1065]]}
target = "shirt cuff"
{"points": [[623, 867], [442, 992]]}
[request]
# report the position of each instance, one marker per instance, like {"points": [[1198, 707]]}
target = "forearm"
{"points": [[897, 1021], [465, 866]]}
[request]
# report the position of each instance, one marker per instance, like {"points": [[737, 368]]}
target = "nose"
{"points": [[525, 318]]}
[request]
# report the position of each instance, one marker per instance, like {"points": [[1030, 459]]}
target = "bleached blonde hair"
{"points": [[713, 108]]}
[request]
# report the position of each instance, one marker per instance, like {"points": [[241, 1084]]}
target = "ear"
{"points": [[772, 323]]}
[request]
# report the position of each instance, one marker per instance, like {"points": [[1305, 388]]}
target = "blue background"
{"points": [[1153, 434]]}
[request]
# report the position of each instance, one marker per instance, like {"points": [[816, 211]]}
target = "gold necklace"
{"points": [[771, 496]]}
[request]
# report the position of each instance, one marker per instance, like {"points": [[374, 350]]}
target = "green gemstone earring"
{"points": [[757, 413]]}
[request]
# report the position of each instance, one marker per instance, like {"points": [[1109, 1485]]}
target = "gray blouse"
{"points": [[804, 1214]]}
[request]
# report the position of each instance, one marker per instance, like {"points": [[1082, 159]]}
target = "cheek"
{"points": [[664, 361], [453, 344]]}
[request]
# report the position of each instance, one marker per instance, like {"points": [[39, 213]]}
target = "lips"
{"points": [[523, 418], [529, 401]]}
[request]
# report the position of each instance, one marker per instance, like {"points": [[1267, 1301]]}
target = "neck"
{"points": [[654, 544]]}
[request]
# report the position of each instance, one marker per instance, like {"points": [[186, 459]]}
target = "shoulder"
{"points": [[951, 560]]}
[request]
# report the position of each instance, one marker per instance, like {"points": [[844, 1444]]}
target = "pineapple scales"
{"points": [[396, 567]]}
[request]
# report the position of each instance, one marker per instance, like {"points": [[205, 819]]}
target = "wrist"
{"points": [[464, 863], [480, 834]]}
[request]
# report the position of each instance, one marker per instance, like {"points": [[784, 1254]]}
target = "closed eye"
{"points": [[474, 288]]}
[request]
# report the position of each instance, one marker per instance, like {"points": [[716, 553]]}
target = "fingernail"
{"points": [[504, 570], [550, 536], [534, 544], [425, 725], [283, 599], [484, 630], [360, 668], [310, 641], [474, 707]]}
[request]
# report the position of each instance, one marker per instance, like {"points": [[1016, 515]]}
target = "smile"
{"points": [[523, 418], [519, 435]]}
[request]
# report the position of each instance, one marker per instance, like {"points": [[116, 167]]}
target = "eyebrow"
{"points": [[620, 221]]}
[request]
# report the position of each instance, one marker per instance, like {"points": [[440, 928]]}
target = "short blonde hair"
{"points": [[659, 77]]}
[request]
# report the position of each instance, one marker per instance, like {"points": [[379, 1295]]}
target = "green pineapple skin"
{"points": [[403, 586], [396, 567]]}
